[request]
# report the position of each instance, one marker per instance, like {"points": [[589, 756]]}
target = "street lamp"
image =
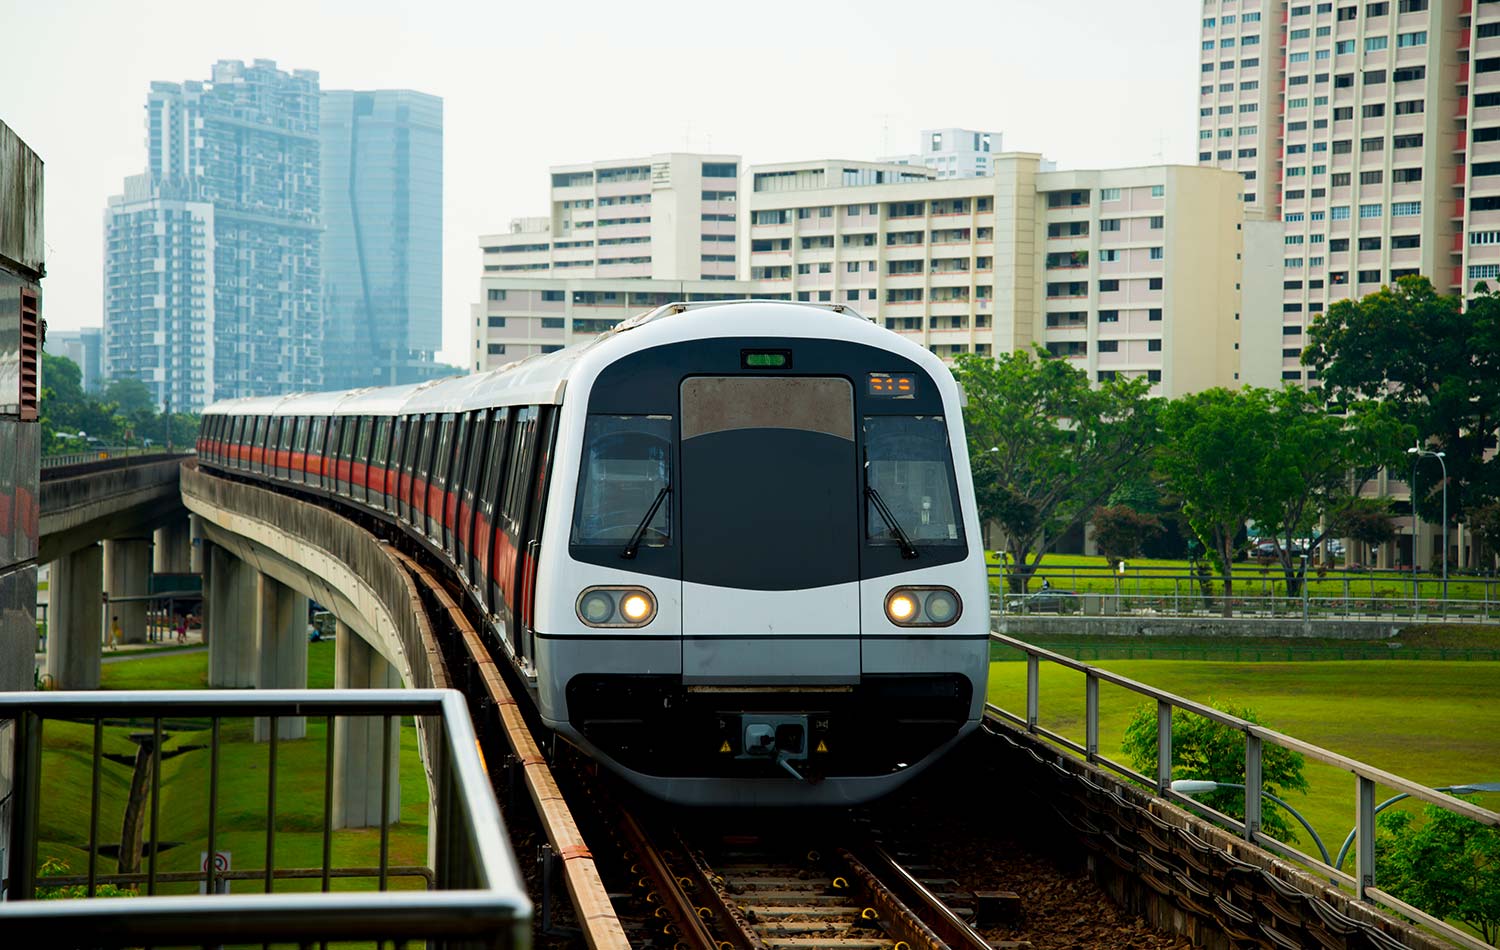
{"points": [[1417, 452], [1191, 786]]}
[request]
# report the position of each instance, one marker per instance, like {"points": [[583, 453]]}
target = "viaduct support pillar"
{"points": [[75, 619], [233, 621], [358, 742], [172, 552], [282, 652], [198, 542], [127, 566]]}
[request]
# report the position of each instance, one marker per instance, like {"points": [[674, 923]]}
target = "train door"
{"points": [[284, 448], [359, 464], [769, 489], [258, 446], [453, 486], [297, 461], [531, 530], [380, 450], [506, 560], [486, 520], [421, 472], [393, 465], [438, 484], [317, 441], [478, 447]]}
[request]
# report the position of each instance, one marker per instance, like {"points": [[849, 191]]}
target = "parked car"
{"points": [[1047, 601], [1266, 551]]}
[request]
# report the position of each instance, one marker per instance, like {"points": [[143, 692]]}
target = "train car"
{"points": [[731, 548]]}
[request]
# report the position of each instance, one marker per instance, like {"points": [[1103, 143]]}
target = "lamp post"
{"points": [[1418, 452], [1467, 789], [1192, 786]]}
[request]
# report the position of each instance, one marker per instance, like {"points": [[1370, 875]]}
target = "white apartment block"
{"points": [[666, 217], [954, 153], [1389, 155], [1240, 96], [1126, 271]]}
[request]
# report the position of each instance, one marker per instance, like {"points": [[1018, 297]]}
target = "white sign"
{"points": [[221, 864]]}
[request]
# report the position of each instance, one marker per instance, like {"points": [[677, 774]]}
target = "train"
{"points": [[731, 548]]}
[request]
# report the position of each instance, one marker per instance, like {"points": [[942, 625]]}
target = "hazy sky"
{"points": [[526, 85]]}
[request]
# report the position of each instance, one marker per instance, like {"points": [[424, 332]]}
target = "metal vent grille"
{"points": [[31, 346]]}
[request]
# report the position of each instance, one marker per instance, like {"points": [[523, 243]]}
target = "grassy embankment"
{"points": [[243, 770], [1431, 722]]}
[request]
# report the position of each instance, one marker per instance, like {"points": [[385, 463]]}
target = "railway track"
{"points": [[705, 891]]}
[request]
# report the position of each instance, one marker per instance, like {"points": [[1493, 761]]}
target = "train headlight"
{"points": [[616, 607], [923, 606], [596, 607], [637, 607], [941, 606], [901, 607]]}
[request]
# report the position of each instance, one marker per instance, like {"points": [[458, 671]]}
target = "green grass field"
{"points": [[243, 793], [1431, 722], [1450, 641], [1148, 576]]}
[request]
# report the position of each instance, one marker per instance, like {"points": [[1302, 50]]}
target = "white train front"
{"points": [[732, 548]]}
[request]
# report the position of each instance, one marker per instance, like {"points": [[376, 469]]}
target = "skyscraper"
{"points": [[1370, 130], [382, 250], [213, 257]]}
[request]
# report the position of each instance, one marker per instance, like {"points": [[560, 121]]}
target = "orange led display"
{"points": [[891, 384]]}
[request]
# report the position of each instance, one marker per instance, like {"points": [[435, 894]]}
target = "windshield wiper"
{"points": [[640, 529], [908, 550]]}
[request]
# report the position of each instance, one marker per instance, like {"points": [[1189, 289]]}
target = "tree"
{"points": [[1213, 454], [1211, 751], [1366, 520], [1047, 447], [1436, 363], [131, 396], [1447, 865], [1316, 464], [1121, 532], [1485, 523]]}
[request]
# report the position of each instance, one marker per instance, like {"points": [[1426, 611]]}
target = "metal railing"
{"points": [[1361, 597], [1367, 777], [474, 894]]}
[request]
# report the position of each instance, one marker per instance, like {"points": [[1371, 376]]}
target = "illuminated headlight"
{"points": [[923, 606], [616, 606]]}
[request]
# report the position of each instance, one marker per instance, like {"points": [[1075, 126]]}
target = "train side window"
{"points": [[494, 464], [627, 464], [477, 448], [366, 433], [315, 438], [444, 453], [382, 441], [288, 423], [335, 438], [516, 470], [237, 438], [258, 440], [425, 446]]}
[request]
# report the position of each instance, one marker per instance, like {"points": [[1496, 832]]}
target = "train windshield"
{"points": [[907, 461], [627, 461]]}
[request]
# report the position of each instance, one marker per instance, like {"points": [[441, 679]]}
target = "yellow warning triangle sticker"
{"points": [[822, 746], [725, 747]]}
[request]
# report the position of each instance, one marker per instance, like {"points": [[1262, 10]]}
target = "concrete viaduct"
{"points": [[106, 526]]}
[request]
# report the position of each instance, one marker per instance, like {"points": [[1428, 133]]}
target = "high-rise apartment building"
{"points": [[160, 293], [1239, 97], [1388, 154], [245, 145], [1125, 272], [1132, 271], [954, 153], [382, 251], [668, 217]]}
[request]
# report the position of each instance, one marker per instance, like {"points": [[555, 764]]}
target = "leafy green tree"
{"points": [[1447, 865], [1436, 363], [131, 396], [1047, 447], [1366, 520], [1214, 456], [1317, 461], [1121, 532], [1210, 751]]}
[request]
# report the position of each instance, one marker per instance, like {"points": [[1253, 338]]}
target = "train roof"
{"points": [[542, 379]]}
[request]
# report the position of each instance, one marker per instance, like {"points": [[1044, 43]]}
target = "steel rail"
{"points": [[951, 928], [591, 904]]}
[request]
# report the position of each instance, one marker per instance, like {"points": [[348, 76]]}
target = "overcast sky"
{"points": [[525, 85]]}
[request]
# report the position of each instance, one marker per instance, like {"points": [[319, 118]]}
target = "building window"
{"points": [[1157, 222], [1369, 211], [1156, 253], [552, 323], [496, 322], [1153, 346], [1158, 191], [1154, 314], [495, 349], [496, 294], [1109, 194], [1154, 283], [1109, 346]]}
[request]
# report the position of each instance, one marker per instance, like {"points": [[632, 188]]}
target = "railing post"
{"points": [[1163, 746], [1033, 691], [26, 778], [1091, 716], [1252, 786], [1364, 831]]}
